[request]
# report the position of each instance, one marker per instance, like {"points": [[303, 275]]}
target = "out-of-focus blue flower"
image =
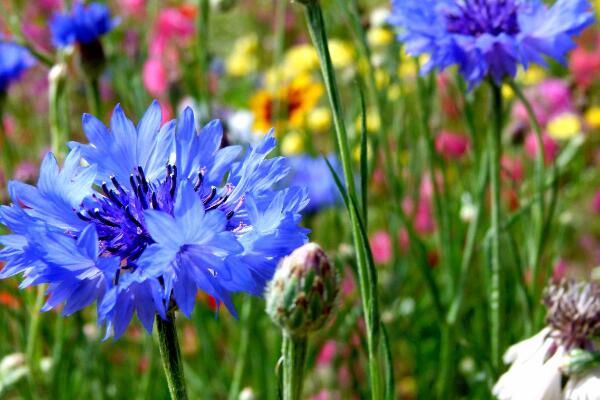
{"points": [[489, 38], [83, 24], [173, 214], [14, 60], [314, 175]]}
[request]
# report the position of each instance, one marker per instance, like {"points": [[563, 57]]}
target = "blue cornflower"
{"points": [[14, 60], [489, 38], [144, 216], [83, 24], [314, 174]]}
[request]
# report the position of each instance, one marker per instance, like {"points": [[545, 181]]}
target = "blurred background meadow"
{"points": [[251, 64]]}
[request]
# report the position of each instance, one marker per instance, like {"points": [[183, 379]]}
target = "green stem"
{"points": [[203, 53], [294, 358], [56, 100], [19, 38], [32, 336], [7, 150], [171, 356], [93, 95], [366, 269], [495, 152], [440, 197], [544, 216], [240, 364], [469, 249], [280, 13], [389, 365]]}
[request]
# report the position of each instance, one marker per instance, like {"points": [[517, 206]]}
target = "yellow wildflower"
{"points": [[243, 59], [592, 116], [373, 123], [507, 92], [319, 119], [394, 92], [295, 101], [342, 53], [356, 153], [380, 37], [564, 126], [292, 143], [300, 59], [531, 76]]}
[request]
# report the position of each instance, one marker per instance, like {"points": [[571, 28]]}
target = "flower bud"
{"points": [[303, 291], [93, 59]]}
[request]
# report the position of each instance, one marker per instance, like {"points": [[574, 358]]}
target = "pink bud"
{"points": [[584, 66], [424, 222], [559, 271], [135, 8], [327, 353], [451, 145], [155, 77], [596, 202], [381, 245], [550, 147], [175, 22]]}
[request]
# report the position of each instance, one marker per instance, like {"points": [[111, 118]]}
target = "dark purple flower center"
{"points": [[476, 17], [118, 213]]}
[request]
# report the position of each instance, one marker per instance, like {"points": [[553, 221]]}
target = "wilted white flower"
{"points": [[534, 372], [584, 387], [538, 363]]}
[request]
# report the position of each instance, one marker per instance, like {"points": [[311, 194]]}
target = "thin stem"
{"points": [[294, 358], [389, 365], [56, 109], [171, 356], [366, 269], [32, 336], [280, 13], [440, 197], [203, 54], [93, 94], [469, 249], [19, 38], [7, 150], [545, 216], [242, 356], [495, 151]]}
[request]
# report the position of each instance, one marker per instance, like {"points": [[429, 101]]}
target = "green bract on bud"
{"points": [[578, 361], [303, 291]]}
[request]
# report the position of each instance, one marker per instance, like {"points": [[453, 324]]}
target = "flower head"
{"points": [[302, 294], [573, 313], [83, 24], [173, 214], [489, 38], [14, 60], [297, 99], [538, 363]]}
